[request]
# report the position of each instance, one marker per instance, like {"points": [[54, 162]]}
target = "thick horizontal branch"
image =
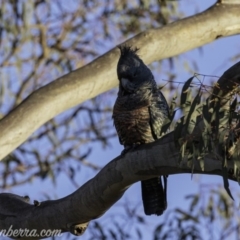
{"points": [[96, 196], [100, 75]]}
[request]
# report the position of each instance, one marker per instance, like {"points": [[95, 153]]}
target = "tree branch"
{"points": [[100, 75], [96, 196]]}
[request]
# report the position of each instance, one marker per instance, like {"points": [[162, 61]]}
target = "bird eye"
{"points": [[135, 74]]}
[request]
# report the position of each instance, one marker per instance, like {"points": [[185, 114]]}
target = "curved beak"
{"points": [[125, 83]]}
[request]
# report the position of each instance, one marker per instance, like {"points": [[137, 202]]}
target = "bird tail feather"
{"points": [[154, 195]]}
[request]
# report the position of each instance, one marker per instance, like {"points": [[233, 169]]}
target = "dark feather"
{"points": [[154, 196]]}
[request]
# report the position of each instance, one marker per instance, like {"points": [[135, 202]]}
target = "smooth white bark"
{"points": [[100, 75]]}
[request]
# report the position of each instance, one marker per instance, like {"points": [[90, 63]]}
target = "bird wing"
{"points": [[117, 124], [158, 111]]}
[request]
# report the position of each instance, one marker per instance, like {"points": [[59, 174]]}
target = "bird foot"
{"points": [[128, 148]]}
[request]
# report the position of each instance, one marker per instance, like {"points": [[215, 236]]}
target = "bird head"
{"points": [[132, 73]]}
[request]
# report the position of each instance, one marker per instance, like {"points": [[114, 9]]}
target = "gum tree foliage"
{"points": [[42, 40], [211, 215]]}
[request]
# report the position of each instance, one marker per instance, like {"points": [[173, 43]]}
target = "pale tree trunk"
{"points": [[95, 197], [100, 75]]}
